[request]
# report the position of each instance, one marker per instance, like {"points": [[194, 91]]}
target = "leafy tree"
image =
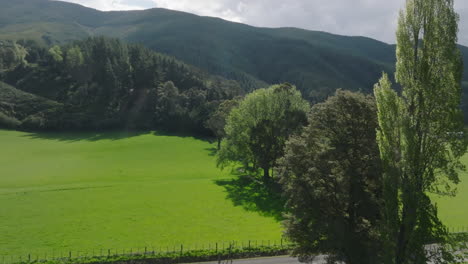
{"points": [[56, 53], [421, 135], [331, 177], [258, 128], [74, 57], [168, 108], [11, 55], [217, 120]]}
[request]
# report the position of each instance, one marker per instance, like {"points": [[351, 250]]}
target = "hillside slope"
{"points": [[317, 62]]}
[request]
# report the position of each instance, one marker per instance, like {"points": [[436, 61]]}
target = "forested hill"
{"points": [[316, 62], [101, 83]]}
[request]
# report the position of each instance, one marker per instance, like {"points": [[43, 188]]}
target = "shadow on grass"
{"points": [[212, 151], [255, 196], [73, 136], [87, 136]]}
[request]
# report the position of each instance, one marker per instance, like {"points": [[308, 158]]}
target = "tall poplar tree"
{"points": [[421, 137]]}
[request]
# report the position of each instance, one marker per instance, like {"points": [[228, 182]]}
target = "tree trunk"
{"points": [[266, 174], [219, 143], [407, 225]]}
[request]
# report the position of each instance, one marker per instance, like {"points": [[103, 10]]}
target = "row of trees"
{"points": [[358, 172]]}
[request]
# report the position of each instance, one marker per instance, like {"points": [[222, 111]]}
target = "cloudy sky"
{"points": [[371, 18]]}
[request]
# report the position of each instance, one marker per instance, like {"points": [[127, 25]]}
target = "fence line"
{"points": [[217, 247], [460, 229]]}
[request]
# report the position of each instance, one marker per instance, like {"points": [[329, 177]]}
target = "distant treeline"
{"points": [[102, 83]]}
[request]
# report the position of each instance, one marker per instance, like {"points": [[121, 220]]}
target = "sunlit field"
{"points": [[85, 192]]}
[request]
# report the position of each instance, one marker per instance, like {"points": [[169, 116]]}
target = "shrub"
{"points": [[34, 122], [8, 121]]}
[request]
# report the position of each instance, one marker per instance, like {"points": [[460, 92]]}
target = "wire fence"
{"points": [[220, 246], [81, 256], [460, 229]]}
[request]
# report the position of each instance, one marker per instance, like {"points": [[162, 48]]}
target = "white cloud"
{"points": [[107, 5], [229, 10], [372, 18]]}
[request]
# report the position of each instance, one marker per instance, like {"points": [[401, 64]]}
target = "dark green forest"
{"points": [[101, 83]]}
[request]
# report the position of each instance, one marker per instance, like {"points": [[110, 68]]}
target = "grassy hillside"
{"points": [[85, 191]]}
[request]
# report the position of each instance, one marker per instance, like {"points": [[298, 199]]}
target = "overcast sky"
{"points": [[372, 18]]}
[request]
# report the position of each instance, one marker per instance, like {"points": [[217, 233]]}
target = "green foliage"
{"points": [[34, 122], [331, 178], [217, 121], [56, 54], [8, 121], [258, 128], [421, 135], [104, 83], [11, 55], [18, 106], [317, 62], [74, 57], [118, 190]]}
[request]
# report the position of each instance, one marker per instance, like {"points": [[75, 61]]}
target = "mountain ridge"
{"points": [[317, 62]]}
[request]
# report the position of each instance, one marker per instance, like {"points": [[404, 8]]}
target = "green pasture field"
{"points": [[453, 211], [87, 191]]}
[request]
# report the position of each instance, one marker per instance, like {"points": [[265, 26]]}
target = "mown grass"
{"points": [[87, 191]]}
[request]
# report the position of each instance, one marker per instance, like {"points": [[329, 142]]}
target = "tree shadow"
{"points": [[86, 135], [255, 196], [73, 136], [212, 151]]}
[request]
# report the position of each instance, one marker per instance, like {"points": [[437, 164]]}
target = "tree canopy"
{"points": [[331, 177], [217, 121], [257, 130], [105, 84], [421, 135]]}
